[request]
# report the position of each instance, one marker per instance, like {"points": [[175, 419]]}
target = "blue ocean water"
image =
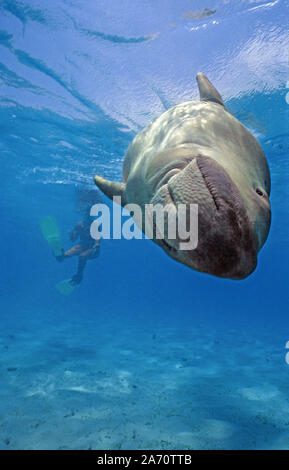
{"points": [[145, 353]]}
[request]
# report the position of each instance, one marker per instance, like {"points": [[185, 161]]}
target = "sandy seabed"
{"points": [[94, 385]]}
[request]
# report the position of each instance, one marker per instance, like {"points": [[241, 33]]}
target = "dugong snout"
{"points": [[227, 245]]}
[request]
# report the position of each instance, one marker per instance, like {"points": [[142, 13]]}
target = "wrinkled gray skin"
{"points": [[198, 153]]}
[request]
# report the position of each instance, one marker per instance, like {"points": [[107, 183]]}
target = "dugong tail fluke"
{"points": [[207, 91]]}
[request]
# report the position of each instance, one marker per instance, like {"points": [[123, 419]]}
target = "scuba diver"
{"points": [[86, 249]]}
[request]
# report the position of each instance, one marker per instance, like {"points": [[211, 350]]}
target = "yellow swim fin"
{"points": [[50, 231], [65, 287]]}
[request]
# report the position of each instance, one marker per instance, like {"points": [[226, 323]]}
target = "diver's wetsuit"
{"points": [[88, 248]]}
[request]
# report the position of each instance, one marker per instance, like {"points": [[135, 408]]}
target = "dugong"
{"points": [[198, 153]]}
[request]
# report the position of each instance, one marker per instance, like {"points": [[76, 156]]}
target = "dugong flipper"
{"points": [[198, 153]]}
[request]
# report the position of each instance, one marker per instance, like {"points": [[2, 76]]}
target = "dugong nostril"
{"points": [[167, 177]]}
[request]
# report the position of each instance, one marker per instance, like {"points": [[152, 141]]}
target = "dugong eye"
{"points": [[260, 192]]}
